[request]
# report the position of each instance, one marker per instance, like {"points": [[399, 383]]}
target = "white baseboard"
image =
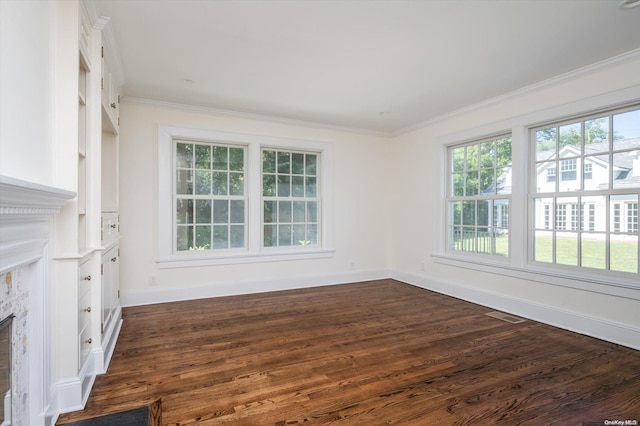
{"points": [[235, 288], [621, 334]]}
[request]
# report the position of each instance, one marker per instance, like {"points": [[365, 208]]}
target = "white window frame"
{"points": [[518, 265], [168, 257]]}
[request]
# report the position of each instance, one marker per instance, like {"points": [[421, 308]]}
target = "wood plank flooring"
{"points": [[373, 353]]}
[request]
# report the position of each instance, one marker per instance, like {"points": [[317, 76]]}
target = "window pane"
{"points": [[542, 213], [284, 235], [203, 156], [624, 253], [311, 166], [220, 158], [219, 185], [236, 236], [184, 237], [297, 163], [237, 211], [503, 152], [487, 154], [457, 159], [469, 213], [455, 211], [203, 238], [546, 140], [297, 186], [594, 251], [221, 211], [458, 184], [623, 170], [472, 157], [311, 187], [184, 155], [483, 216], [269, 185], [284, 186], [626, 130], [220, 237], [312, 212], [299, 210], [504, 181], [567, 248], [184, 182], [596, 169], [270, 212], [502, 243], [236, 184], [543, 246], [236, 159], [284, 162], [471, 183], [487, 183], [268, 161], [203, 211], [284, 211], [570, 140], [596, 135], [270, 235], [593, 214], [203, 182], [299, 237], [184, 211], [312, 234]]}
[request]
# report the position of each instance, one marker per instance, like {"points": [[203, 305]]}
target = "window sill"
{"points": [[196, 259], [613, 286]]}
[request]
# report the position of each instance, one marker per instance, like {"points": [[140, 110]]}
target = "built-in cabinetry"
{"points": [[87, 256]]}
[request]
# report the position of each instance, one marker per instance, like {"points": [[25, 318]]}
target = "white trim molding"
{"points": [[592, 326]]}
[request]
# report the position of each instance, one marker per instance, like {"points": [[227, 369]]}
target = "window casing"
{"points": [[212, 194]]}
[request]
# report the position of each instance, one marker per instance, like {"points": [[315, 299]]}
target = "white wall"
{"points": [[361, 184], [27, 42], [418, 156]]}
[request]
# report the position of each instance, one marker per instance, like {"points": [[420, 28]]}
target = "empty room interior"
{"points": [[329, 211]]}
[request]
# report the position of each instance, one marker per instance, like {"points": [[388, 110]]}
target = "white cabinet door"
{"points": [[110, 284]]}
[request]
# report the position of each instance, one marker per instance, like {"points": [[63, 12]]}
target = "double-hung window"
{"points": [[606, 148], [235, 198], [479, 197]]}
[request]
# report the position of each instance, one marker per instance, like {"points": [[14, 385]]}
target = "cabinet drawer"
{"points": [[84, 279], [110, 226], [84, 310], [84, 344]]}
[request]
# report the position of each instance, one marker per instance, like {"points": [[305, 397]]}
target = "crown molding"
{"points": [[100, 22], [252, 116], [631, 55]]}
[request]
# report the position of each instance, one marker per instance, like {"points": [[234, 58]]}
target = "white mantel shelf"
{"points": [[21, 197]]}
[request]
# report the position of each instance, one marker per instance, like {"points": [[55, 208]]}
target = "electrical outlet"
{"points": [[153, 280]]}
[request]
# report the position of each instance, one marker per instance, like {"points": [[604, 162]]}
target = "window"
{"points": [[551, 174], [570, 194], [290, 198], [233, 198], [479, 196], [606, 145], [209, 196]]}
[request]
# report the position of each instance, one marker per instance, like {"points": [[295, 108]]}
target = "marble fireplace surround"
{"points": [[27, 211]]}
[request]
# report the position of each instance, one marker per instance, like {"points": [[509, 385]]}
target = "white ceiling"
{"points": [[380, 65]]}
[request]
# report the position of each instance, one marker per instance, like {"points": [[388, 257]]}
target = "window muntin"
{"points": [[599, 178], [209, 196], [479, 197], [290, 201]]}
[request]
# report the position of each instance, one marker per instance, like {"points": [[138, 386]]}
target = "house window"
{"points": [[605, 144], [568, 169], [209, 196], [291, 205], [632, 218], [551, 174], [227, 198], [479, 196]]}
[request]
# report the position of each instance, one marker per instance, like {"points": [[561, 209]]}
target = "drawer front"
{"points": [[85, 279], [85, 343], [84, 310], [110, 226]]}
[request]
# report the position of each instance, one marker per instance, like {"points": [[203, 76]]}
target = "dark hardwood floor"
{"points": [[372, 353]]}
